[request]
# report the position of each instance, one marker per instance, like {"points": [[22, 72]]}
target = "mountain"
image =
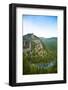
{"points": [[50, 43], [33, 44], [39, 54], [40, 47]]}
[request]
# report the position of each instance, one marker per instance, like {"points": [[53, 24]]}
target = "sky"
{"points": [[41, 26]]}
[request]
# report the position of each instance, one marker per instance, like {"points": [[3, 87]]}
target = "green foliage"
{"points": [[32, 62]]}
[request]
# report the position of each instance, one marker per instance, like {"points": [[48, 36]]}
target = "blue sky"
{"points": [[42, 26]]}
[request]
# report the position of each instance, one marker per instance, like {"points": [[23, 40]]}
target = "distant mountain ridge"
{"points": [[51, 43]]}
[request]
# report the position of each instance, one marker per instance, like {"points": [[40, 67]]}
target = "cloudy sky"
{"points": [[42, 26]]}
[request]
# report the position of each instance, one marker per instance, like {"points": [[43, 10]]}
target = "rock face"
{"points": [[33, 45]]}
